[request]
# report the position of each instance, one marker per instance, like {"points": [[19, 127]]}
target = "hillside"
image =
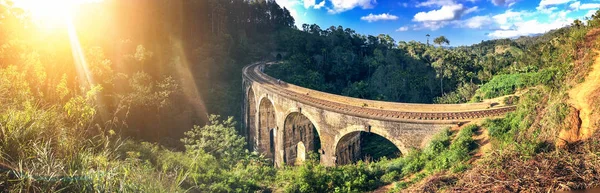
{"points": [[561, 159]]}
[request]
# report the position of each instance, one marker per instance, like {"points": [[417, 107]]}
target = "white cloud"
{"points": [[547, 3], [435, 25], [345, 5], [446, 13], [575, 5], [590, 13], [547, 16], [449, 12], [309, 3], [514, 24], [318, 6], [431, 25], [507, 16], [313, 3], [559, 15], [530, 27], [590, 6], [506, 3], [436, 3], [373, 18], [471, 10], [546, 10], [477, 22], [403, 28]]}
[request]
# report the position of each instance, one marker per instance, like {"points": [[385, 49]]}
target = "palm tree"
{"points": [[427, 39]]}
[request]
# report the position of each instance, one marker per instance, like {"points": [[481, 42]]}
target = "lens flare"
{"points": [[56, 16], [190, 89], [51, 14]]}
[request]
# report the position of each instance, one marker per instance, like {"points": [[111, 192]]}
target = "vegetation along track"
{"points": [[254, 72]]}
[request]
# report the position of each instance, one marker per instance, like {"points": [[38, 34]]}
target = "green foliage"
{"points": [[442, 153], [509, 83], [339, 61], [312, 177], [203, 172], [218, 138], [405, 184], [80, 109], [508, 131], [462, 94], [358, 90], [441, 40], [14, 89], [390, 177], [510, 100]]}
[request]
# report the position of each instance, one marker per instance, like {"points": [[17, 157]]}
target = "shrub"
{"points": [[390, 177], [511, 100], [462, 94], [219, 138], [509, 83]]}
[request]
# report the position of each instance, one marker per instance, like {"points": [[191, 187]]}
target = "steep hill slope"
{"points": [[551, 142], [580, 98]]}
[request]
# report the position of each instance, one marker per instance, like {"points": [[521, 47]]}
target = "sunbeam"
{"points": [[186, 78]]}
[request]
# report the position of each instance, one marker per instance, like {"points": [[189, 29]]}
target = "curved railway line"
{"points": [[254, 72]]}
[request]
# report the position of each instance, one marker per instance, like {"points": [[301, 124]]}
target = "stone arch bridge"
{"points": [[285, 122]]}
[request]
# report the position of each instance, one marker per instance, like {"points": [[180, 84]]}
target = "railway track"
{"points": [[254, 73]]}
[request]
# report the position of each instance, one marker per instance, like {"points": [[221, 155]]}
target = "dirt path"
{"points": [[579, 97]]}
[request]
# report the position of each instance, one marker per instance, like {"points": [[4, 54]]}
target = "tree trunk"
{"points": [[442, 85]]}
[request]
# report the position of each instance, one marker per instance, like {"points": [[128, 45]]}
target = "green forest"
{"points": [[338, 60], [150, 101]]}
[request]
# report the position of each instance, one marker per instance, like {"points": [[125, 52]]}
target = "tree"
{"points": [[387, 40], [441, 40], [577, 23], [428, 39], [442, 61]]}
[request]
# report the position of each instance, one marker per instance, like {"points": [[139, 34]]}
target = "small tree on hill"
{"points": [[441, 40], [577, 23]]}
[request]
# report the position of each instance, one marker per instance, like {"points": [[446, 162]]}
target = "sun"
{"points": [[51, 13]]}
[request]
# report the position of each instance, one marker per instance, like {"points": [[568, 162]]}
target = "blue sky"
{"points": [[463, 22]]}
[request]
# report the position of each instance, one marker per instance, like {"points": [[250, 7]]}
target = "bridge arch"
{"points": [[252, 138], [267, 127], [299, 134], [358, 142], [309, 116]]}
